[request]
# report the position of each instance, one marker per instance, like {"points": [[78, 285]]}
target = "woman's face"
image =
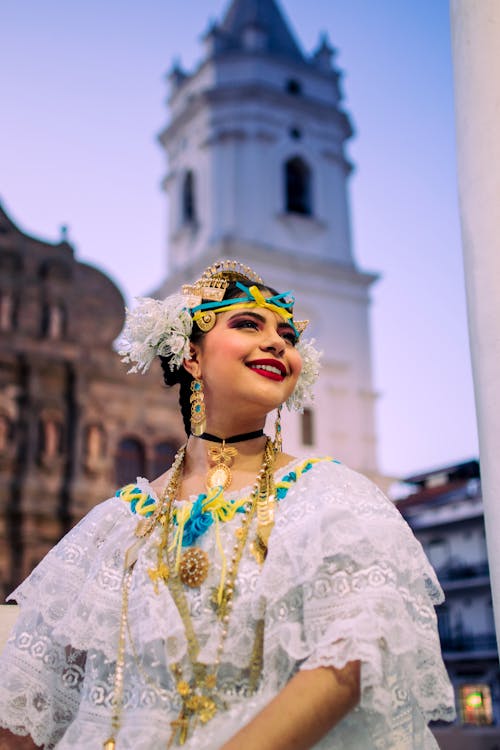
{"points": [[248, 360]]}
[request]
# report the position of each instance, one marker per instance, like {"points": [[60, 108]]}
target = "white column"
{"points": [[475, 27]]}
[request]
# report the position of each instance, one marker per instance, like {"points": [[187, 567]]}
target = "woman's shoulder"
{"points": [[140, 497], [327, 473], [328, 511], [322, 487]]}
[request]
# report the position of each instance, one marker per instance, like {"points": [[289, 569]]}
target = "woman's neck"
{"points": [[247, 459]]}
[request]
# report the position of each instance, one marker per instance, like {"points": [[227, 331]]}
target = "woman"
{"points": [[244, 598]]}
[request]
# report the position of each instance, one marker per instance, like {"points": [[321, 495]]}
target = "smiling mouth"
{"points": [[272, 371]]}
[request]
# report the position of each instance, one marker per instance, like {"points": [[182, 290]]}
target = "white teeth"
{"points": [[269, 368]]}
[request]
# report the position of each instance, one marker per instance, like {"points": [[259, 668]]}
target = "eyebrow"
{"points": [[249, 313]]}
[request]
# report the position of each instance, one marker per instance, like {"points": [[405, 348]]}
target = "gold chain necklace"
{"points": [[200, 701], [144, 528], [199, 698]]}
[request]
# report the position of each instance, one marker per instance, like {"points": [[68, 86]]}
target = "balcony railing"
{"points": [[485, 642], [462, 571]]}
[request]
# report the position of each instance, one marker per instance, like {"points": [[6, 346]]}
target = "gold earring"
{"points": [[278, 438], [197, 408]]}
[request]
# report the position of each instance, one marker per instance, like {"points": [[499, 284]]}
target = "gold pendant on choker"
{"points": [[220, 475], [193, 567]]}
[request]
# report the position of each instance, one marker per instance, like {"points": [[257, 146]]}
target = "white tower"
{"points": [[258, 173]]}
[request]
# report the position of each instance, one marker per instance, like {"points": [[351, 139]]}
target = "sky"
{"points": [[84, 97]]}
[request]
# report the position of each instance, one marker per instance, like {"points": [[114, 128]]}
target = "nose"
{"points": [[273, 343]]}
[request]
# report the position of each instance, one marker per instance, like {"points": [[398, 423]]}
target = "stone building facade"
{"points": [[73, 424]]}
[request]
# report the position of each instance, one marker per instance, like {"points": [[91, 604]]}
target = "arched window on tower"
{"points": [[298, 186], [129, 461], [307, 427], [293, 86], [188, 198]]}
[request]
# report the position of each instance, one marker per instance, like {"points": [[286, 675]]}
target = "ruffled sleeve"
{"points": [[345, 580], [69, 604]]}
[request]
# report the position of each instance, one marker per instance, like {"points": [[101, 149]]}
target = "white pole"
{"points": [[475, 28]]}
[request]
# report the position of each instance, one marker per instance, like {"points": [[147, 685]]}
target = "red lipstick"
{"points": [[268, 368]]}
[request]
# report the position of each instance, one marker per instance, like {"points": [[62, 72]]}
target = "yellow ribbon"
{"points": [[259, 301], [219, 507], [182, 515]]}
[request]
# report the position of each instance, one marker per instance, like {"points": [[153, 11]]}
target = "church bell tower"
{"points": [[257, 172]]}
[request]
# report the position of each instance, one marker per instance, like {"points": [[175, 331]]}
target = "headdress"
{"points": [[163, 327]]}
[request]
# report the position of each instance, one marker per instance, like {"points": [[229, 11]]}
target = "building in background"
{"points": [[445, 511], [258, 172], [73, 424]]}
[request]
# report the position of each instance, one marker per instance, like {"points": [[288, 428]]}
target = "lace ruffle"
{"points": [[344, 579]]}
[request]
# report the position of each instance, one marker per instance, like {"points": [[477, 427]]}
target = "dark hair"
{"points": [[181, 375]]}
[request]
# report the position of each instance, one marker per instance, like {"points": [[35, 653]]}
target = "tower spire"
{"points": [[244, 18]]}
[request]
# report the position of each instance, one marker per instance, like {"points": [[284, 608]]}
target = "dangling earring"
{"points": [[278, 439], [197, 399]]}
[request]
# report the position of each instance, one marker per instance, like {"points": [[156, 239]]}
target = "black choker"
{"points": [[234, 438]]}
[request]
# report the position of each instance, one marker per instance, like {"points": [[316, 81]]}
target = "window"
{"points": [[188, 199], [94, 442], [297, 186], [437, 550], [50, 439], [163, 457], [129, 461], [443, 616], [295, 134], [293, 87], [307, 427], [5, 433], [53, 321], [7, 311], [475, 704]]}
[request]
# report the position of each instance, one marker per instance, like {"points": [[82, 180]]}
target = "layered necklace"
{"points": [[197, 693], [192, 520]]}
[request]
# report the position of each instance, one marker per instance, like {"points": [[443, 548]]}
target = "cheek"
{"points": [[296, 363], [221, 352]]}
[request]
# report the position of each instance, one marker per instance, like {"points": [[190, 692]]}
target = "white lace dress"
{"points": [[344, 579]]}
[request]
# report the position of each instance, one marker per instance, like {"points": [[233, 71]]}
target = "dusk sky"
{"points": [[84, 97]]}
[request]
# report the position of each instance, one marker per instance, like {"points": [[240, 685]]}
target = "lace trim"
{"points": [[344, 579]]}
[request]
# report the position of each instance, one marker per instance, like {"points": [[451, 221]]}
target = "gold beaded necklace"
{"points": [[200, 701]]}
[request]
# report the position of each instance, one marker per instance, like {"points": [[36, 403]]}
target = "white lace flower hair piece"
{"points": [[303, 392], [156, 328], [163, 328]]}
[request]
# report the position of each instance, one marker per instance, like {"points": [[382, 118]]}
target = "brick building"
{"points": [[73, 424]]}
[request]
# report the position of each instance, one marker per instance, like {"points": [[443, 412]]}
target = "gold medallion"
{"points": [[219, 476], [193, 567]]}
